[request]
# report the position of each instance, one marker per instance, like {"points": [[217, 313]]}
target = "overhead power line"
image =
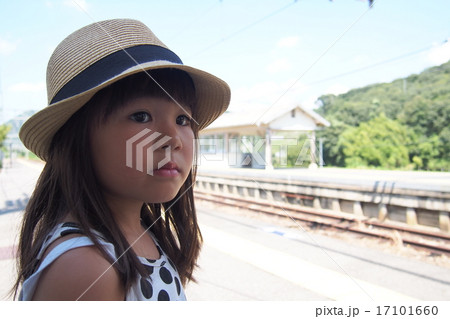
{"points": [[372, 65], [316, 61], [232, 35]]}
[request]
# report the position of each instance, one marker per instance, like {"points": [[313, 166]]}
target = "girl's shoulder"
{"points": [[86, 271], [69, 258], [67, 236]]}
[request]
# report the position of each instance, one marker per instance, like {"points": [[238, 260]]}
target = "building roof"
{"points": [[249, 123]]}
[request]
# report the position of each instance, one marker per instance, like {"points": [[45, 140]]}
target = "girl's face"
{"points": [[132, 165]]}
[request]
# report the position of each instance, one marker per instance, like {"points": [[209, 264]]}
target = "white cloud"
{"points": [[288, 42], [337, 89], [7, 47], [27, 87], [267, 96], [441, 54], [278, 65], [78, 4], [361, 60]]}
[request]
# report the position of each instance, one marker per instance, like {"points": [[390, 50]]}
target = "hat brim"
{"points": [[213, 97]]}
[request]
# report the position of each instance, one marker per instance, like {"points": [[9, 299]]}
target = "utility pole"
{"points": [[321, 152]]}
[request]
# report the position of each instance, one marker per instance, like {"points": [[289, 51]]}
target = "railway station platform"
{"points": [[419, 199], [414, 180]]}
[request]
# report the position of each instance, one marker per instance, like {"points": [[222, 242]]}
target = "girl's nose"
{"points": [[173, 139], [174, 143]]}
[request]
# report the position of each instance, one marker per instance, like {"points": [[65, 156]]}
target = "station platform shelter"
{"points": [[245, 139]]}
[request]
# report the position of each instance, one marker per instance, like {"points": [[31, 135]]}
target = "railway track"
{"points": [[435, 242]]}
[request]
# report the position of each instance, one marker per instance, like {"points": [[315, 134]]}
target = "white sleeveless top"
{"points": [[163, 282]]}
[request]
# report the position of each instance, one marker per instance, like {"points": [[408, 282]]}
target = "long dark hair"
{"points": [[68, 184]]}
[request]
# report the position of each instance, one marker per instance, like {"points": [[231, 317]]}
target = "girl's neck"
{"points": [[128, 217], [127, 214]]}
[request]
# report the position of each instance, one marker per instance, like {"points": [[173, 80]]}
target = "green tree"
{"points": [[4, 129], [419, 102], [332, 150], [380, 142], [425, 153]]}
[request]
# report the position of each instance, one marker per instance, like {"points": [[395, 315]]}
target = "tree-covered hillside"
{"points": [[404, 124]]}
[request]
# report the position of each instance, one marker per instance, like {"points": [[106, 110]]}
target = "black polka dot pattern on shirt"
{"points": [[163, 296], [165, 275], [146, 288], [177, 283], [162, 283], [71, 231]]}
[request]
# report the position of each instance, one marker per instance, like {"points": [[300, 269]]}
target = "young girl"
{"points": [[98, 227]]}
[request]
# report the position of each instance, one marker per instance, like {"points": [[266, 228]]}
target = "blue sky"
{"points": [[272, 53]]}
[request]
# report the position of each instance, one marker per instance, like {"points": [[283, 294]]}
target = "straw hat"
{"points": [[100, 54]]}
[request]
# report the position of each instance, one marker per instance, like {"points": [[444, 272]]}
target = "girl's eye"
{"points": [[141, 117], [183, 120]]}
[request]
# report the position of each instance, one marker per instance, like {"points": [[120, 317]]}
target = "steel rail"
{"points": [[433, 241]]}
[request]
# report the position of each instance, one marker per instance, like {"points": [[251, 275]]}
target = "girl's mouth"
{"points": [[168, 170]]}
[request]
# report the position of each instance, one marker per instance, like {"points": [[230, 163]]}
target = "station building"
{"points": [[238, 139]]}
